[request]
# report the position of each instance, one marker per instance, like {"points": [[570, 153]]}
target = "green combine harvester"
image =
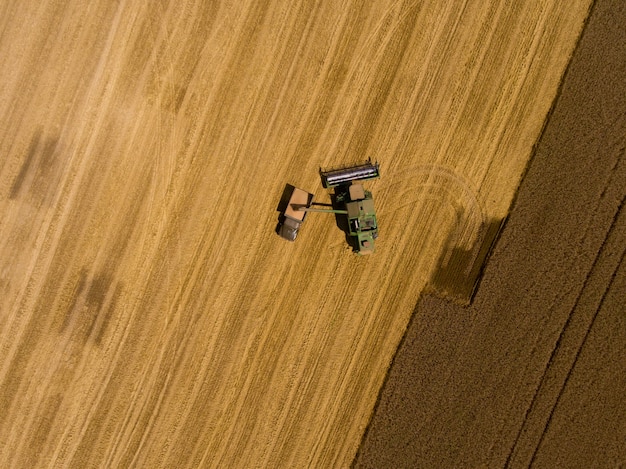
{"points": [[355, 202]]}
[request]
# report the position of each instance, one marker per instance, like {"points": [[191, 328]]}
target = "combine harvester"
{"points": [[355, 202]]}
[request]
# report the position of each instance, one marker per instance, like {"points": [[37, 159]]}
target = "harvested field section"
{"points": [[150, 315], [533, 373]]}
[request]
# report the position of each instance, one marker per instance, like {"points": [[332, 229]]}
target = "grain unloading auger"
{"points": [[357, 203]]}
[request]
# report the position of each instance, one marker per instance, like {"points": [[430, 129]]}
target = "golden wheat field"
{"points": [[150, 315]]}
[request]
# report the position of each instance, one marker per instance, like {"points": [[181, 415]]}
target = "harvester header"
{"points": [[345, 175]]}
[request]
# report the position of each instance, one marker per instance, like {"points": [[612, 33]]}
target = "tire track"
{"points": [[226, 195], [364, 75], [571, 341], [578, 352], [468, 236]]}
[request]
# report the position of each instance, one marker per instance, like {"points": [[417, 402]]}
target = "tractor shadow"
{"points": [[284, 198], [282, 206]]}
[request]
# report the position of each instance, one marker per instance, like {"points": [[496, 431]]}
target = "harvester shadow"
{"points": [[459, 269], [341, 220]]}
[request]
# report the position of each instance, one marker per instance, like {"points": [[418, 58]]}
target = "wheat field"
{"points": [[149, 314]]}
